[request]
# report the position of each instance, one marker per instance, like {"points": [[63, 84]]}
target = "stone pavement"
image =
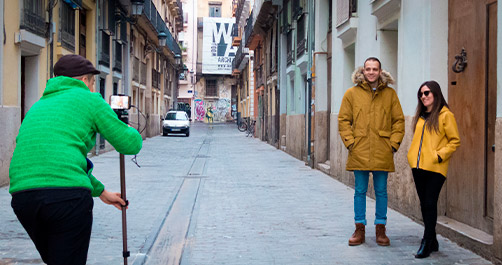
{"points": [[218, 197]]}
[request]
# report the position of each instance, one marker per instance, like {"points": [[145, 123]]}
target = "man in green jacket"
{"points": [[371, 124], [51, 179]]}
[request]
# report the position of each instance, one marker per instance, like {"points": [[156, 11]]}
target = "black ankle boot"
{"points": [[435, 245], [425, 249]]}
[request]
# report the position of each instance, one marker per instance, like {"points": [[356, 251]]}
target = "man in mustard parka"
{"points": [[371, 125]]}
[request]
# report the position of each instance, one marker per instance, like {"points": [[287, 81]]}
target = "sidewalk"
{"points": [[252, 204]]}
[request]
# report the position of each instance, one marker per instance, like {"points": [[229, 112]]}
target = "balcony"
{"points": [[241, 11], [155, 78], [67, 26], [117, 58], [168, 87], [135, 69], [345, 10], [33, 17], [264, 11], [301, 47], [142, 73], [183, 79], [240, 58], [236, 40], [248, 30], [289, 47], [289, 58], [159, 25], [104, 53], [179, 20]]}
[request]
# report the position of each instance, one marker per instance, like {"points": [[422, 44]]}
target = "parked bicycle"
{"points": [[242, 125], [246, 126], [250, 130]]}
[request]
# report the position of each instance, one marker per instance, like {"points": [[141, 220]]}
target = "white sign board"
{"points": [[217, 50]]}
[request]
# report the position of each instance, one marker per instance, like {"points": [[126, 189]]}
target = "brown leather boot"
{"points": [[381, 238], [358, 236]]}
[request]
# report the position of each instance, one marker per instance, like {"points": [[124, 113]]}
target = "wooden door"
{"points": [[472, 98]]}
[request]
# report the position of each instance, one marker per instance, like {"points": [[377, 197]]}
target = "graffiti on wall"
{"points": [[200, 112], [222, 109]]}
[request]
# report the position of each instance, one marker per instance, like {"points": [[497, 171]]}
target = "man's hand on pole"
{"points": [[112, 198]]}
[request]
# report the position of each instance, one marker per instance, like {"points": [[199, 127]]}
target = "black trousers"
{"points": [[428, 186], [58, 221]]}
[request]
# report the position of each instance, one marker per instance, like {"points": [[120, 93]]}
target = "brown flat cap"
{"points": [[74, 65]]}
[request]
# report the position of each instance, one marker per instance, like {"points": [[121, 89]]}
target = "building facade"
{"points": [[215, 88]]}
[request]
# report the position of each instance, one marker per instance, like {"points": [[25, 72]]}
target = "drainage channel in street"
{"points": [[167, 248]]}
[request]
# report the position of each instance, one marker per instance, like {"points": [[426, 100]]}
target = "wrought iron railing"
{"points": [[142, 73], [135, 69], [68, 27], [235, 30], [182, 77], [104, 53], [168, 87], [155, 78], [249, 29], [239, 56], [117, 58], [33, 17], [238, 11], [68, 40], [345, 9], [301, 47], [159, 24], [289, 48], [289, 58]]}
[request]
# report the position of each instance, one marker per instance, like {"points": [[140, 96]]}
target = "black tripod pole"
{"points": [[125, 252]]}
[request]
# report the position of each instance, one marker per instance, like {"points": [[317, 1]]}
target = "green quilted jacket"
{"points": [[58, 132]]}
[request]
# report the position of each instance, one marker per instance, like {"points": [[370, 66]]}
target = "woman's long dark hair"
{"points": [[439, 102]]}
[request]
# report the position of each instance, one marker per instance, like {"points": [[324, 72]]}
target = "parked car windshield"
{"points": [[178, 116]]}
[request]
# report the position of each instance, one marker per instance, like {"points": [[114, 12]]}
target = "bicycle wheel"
{"points": [[251, 130], [242, 127]]}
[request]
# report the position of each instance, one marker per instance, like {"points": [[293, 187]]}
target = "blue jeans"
{"points": [[361, 186]]}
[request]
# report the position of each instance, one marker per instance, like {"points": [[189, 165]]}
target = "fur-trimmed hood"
{"points": [[358, 77]]}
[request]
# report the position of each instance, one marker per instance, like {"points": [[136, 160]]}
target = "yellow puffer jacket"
{"points": [[431, 144], [371, 124]]}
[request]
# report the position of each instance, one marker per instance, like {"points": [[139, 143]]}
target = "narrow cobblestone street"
{"points": [[219, 197]]}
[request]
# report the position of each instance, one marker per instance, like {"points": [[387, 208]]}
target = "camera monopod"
{"points": [[120, 104]]}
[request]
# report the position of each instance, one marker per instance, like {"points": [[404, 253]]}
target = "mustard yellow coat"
{"points": [[443, 144], [371, 124]]}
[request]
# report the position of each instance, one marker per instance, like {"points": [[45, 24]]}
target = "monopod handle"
{"points": [[125, 252]]}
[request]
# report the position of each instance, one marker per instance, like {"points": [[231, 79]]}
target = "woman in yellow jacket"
{"points": [[434, 141]]}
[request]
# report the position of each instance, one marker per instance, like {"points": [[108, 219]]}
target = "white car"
{"points": [[176, 122]]}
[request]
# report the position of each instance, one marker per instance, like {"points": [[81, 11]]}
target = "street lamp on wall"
{"points": [[162, 39], [137, 7], [177, 59], [185, 70]]}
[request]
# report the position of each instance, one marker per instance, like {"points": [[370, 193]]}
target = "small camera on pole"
{"points": [[120, 104]]}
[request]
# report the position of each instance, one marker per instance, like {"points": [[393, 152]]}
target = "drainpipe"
{"points": [[310, 35], [51, 39], [278, 63]]}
